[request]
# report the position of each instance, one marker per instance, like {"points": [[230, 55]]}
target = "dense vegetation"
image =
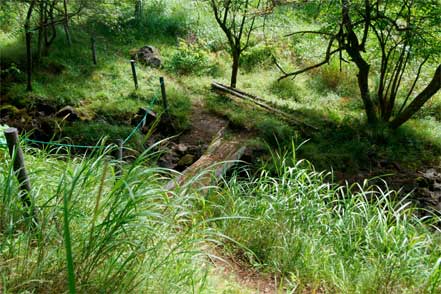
{"points": [[366, 78]]}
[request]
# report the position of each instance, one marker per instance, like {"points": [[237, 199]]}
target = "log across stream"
{"points": [[220, 156]]}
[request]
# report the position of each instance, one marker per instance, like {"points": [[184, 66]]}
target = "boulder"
{"points": [[147, 55]]}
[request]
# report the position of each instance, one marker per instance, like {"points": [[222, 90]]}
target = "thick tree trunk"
{"points": [[431, 89], [234, 69]]}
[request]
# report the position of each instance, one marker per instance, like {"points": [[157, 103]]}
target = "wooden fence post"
{"points": [[135, 77], [93, 50], [13, 142], [164, 96]]}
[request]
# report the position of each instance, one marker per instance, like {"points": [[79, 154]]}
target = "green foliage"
{"points": [[164, 18], [286, 89], [191, 59], [180, 107], [89, 133], [331, 77], [10, 17], [256, 57], [274, 131], [2, 136]]}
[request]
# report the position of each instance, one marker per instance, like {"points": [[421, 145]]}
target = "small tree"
{"points": [[388, 40], [237, 19], [49, 14]]}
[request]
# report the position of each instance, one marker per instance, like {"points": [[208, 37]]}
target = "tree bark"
{"points": [[354, 49], [431, 89], [234, 69], [66, 23], [29, 61], [363, 85], [28, 35]]}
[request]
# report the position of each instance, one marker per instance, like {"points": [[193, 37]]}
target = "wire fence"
{"points": [[3, 144]]}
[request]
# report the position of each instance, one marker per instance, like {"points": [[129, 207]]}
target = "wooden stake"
{"points": [[93, 50], [135, 77], [164, 95], [12, 139]]}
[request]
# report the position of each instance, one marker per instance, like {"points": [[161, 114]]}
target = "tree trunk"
{"points": [[40, 33], [354, 49], [431, 89], [27, 28], [29, 60], [234, 69], [363, 85], [66, 24]]}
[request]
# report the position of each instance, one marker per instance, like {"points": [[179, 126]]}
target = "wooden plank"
{"points": [[260, 102], [220, 156]]}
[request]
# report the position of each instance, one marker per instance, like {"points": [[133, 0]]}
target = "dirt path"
{"points": [[207, 132], [249, 280]]}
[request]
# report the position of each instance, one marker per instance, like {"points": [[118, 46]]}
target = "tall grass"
{"points": [[98, 233], [321, 237]]}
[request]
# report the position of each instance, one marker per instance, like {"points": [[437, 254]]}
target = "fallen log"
{"points": [[220, 156], [260, 102]]}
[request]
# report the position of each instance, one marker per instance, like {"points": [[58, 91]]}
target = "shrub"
{"points": [[180, 108], [89, 133], [286, 89], [274, 131], [256, 56], [330, 77], [161, 18], [190, 59]]}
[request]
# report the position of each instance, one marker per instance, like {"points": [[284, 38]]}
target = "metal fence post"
{"points": [[135, 77]]}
